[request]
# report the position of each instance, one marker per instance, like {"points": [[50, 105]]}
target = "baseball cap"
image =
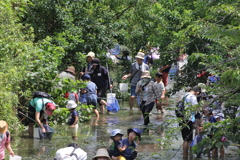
{"points": [[50, 107]]}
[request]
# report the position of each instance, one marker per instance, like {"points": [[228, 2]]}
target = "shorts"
{"points": [[74, 130], [133, 91], [101, 92], [31, 115], [165, 78], [187, 132], [92, 100]]}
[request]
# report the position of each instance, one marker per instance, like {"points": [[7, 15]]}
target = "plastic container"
{"points": [[15, 157], [123, 87], [111, 98], [48, 134]]}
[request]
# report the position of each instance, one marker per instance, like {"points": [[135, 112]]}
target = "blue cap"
{"points": [[136, 130], [115, 132], [86, 77]]}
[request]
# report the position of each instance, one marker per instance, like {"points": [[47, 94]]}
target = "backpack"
{"points": [[41, 94], [180, 107]]}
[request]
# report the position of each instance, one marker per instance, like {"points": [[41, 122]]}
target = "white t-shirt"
{"points": [[64, 154], [160, 87], [191, 100]]}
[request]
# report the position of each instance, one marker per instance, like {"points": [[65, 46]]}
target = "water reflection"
{"points": [[95, 135]]}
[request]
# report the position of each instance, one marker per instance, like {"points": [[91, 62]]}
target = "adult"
{"points": [[102, 154], [188, 122], [135, 73], [68, 73], [100, 76], [71, 152], [86, 69], [149, 93], [38, 111]]}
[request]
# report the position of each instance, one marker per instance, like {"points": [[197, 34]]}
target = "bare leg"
{"points": [[185, 149], [222, 154], [131, 101], [96, 112], [214, 153], [103, 104], [30, 130]]}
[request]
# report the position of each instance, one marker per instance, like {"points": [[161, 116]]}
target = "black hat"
{"points": [[95, 61]]}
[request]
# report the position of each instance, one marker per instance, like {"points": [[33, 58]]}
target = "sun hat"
{"points": [[146, 74], [140, 55], [71, 104], [86, 77], [3, 126], [203, 87], [91, 54], [220, 115], [102, 152], [115, 132], [136, 130], [50, 107], [95, 61], [71, 69]]}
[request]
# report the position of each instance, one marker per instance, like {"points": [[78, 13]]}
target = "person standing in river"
{"points": [[100, 76], [135, 73], [149, 93], [188, 122]]}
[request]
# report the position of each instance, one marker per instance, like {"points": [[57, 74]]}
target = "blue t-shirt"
{"points": [[212, 119], [71, 117], [91, 88], [114, 148], [130, 148]]}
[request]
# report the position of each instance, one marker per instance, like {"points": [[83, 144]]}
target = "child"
{"points": [[73, 118], [4, 140], [116, 149], [130, 152], [161, 88], [91, 91]]}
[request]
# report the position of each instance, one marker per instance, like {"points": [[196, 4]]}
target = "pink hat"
{"points": [[50, 107]]}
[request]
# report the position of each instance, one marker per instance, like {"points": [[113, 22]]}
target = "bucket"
{"points": [[15, 157], [123, 87], [111, 97]]}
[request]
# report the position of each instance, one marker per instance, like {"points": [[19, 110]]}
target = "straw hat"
{"points": [[91, 54], [71, 104], [71, 69], [102, 152], [140, 55], [146, 74], [3, 126]]}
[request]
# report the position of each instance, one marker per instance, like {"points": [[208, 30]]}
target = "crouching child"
{"points": [[116, 148], [134, 135]]}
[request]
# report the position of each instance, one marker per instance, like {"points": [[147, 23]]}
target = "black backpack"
{"points": [[41, 94], [180, 107]]}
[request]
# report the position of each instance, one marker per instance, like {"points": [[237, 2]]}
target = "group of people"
{"points": [[196, 116], [119, 149]]}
